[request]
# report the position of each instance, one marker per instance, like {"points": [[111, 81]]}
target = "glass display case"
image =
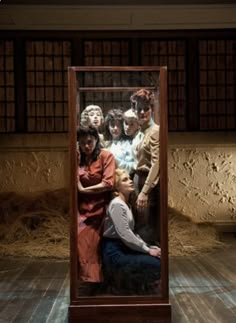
{"points": [[126, 278]]}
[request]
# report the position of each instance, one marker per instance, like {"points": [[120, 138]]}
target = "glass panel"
{"points": [[118, 242]]}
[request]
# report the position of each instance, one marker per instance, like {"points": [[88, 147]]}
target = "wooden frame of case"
{"points": [[139, 309]]}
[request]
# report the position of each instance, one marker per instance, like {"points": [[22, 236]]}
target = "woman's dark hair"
{"points": [[88, 131], [114, 114]]}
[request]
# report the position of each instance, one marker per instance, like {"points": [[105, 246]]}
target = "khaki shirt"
{"points": [[148, 156]]}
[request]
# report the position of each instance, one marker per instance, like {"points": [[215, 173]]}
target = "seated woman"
{"points": [[128, 261]]}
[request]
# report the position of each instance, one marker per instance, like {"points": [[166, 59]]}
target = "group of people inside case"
{"points": [[118, 176]]}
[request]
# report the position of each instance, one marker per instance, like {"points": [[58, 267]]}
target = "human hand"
{"points": [[155, 251], [142, 200]]}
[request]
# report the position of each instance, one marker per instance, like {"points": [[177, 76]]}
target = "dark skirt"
{"points": [[129, 271]]}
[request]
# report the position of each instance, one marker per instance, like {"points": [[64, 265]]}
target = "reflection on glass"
{"points": [[118, 197]]}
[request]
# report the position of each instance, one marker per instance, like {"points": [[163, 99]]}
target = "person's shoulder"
{"points": [[117, 201], [154, 131], [117, 207], [155, 127], [105, 153]]}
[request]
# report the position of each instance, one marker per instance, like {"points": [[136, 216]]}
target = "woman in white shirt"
{"points": [[127, 258], [116, 140], [132, 130]]}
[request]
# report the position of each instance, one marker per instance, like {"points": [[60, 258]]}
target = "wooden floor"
{"points": [[202, 288]]}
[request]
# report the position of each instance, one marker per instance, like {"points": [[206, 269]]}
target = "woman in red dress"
{"points": [[95, 182]]}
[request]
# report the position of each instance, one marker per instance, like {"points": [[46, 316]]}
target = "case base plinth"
{"points": [[120, 313]]}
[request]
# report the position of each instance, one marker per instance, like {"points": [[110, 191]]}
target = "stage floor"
{"points": [[202, 288]]}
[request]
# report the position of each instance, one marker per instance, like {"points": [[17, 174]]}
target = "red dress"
{"points": [[92, 210]]}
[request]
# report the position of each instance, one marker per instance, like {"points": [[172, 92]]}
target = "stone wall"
{"points": [[201, 171]]}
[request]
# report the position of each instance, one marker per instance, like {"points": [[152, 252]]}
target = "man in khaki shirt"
{"points": [[146, 177]]}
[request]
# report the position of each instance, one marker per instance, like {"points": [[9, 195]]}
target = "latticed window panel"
{"points": [[106, 53], [46, 85], [170, 53], [7, 87], [217, 84]]}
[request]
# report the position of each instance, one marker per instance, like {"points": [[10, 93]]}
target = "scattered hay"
{"points": [[188, 238], [34, 225], [37, 225]]}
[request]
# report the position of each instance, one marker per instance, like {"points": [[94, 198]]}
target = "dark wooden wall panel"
{"points": [[7, 87], [201, 75], [46, 85], [217, 84]]}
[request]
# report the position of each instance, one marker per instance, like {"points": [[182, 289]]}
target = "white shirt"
{"points": [[119, 224], [122, 151]]}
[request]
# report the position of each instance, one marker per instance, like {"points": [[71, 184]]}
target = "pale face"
{"points": [[95, 118], [131, 127], [115, 129], [126, 185], [87, 144], [144, 113]]}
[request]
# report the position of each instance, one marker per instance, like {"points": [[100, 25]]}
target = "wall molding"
{"points": [[34, 142], [72, 17], [60, 142]]}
